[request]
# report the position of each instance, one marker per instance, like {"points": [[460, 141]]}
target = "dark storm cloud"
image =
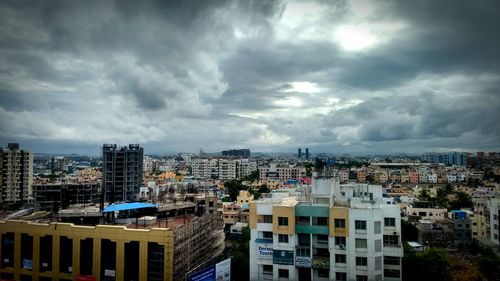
{"points": [[224, 73]]}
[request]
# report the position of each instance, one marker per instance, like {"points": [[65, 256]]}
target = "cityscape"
{"points": [[228, 140]]}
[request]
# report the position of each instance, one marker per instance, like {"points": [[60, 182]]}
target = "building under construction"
{"points": [[138, 243]]}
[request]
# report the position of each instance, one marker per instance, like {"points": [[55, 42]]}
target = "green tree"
{"points": [[264, 189], [409, 231], [252, 177], [432, 264], [490, 266], [424, 195], [463, 201], [233, 187]]}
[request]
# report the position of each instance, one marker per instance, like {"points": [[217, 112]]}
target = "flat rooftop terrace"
{"points": [[172, 223]]}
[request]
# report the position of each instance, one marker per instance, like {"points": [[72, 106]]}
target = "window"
{"points": [[378, 277], [361, 243], [322, 239], [267, 219], [340, 258], [378, 263], [302, 220], [340, 276], [303, 252], [283, 238], [422, 214], [323, 272], [267, 269], [320, 221], [282, 221], [361, 261], [267, 235], [389, 222], [392, 260], [283, 273], [360, 225], [361, 278], [339, 223], [378, 246], [320, 252], [391, 273], [377, 227], [391, 240], [339, 240], [304, 239]]}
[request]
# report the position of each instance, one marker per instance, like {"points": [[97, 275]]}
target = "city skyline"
{"points": [[339, 77]]}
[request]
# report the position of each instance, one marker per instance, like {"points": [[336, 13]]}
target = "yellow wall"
{"points": [[284, 211], [339, 213], [118, 234], [253, 215]]}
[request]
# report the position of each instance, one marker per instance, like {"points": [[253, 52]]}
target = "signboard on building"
{"points": [[283, 257], [219, 272], [303, 262], [264, 253], [223, 270], [28, 264], [109, 273]]}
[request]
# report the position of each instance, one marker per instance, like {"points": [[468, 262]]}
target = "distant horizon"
{"points": [[354, 76]]}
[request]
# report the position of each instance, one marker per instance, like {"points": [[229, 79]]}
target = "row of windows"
{"points": [[323, 221], [388, 240], [325, 273]]}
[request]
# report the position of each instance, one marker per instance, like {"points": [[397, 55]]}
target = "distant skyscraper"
{"points": [[121, 172], [307, 153], [299, 154], [16, 177]]}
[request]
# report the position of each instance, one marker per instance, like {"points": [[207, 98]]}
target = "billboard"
{"points": [[219, 272], [283, 257], [264, 253]]}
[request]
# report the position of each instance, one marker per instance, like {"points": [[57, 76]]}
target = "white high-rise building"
{"points": [[494, 207], [245, 168], [16, 174], [327, 231], [227, 169], [201, 168]]}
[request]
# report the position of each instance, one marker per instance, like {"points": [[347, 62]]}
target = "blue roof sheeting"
{"points": [[128, 206]]}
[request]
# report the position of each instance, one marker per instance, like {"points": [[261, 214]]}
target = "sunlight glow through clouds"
{"points": [[354, 38], [303, 87]]}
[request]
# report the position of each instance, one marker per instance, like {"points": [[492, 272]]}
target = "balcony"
{"points": [[313, 229], [320, 262], [393, 250]]}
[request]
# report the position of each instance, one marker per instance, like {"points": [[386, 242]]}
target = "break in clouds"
{"points": [[335, 76]]}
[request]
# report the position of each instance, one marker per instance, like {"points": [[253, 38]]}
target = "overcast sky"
{"points": [[334, 76]]}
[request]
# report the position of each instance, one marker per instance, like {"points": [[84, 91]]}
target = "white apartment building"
{"points": [[245, 168], [432, 178], [201, 168], [282, 173], [344, 176], [16, 174], [227, 169], [328, 231], [451, 178], [494, 207]]}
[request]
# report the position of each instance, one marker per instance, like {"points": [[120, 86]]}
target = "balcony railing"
{"points": [[320, 262]]}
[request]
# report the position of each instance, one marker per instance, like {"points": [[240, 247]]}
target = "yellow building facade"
{"points": [[62, 251]]}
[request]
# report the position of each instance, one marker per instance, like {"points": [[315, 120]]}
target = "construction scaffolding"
{"points": [[196, 242]]}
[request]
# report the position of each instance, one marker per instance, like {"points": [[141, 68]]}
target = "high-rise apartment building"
{"points": [[307, 153], [121, 172], [16, 174], [330, 232], [299, 153]]}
